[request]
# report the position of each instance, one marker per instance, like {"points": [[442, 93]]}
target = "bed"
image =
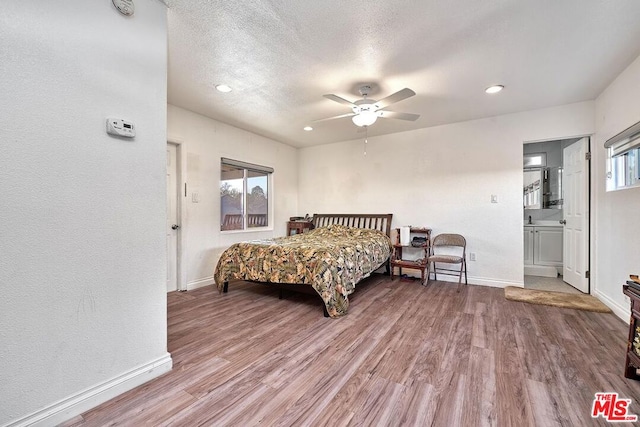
{"points": [[329, 260]]}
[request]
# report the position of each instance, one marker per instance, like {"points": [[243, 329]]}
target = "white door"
{"points": [[172, 219], [575, 188]]}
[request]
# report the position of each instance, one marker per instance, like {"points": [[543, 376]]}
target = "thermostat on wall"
{"points": [[120, 127]]}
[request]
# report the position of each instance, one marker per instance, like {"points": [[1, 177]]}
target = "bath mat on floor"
{"points": [[557, 299]]}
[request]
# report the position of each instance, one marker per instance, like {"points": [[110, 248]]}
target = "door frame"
{"points": [[181, 166], [590, 188]]}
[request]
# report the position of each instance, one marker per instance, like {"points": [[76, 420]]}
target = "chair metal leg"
{"points": [[465, 272], [428, 273]]}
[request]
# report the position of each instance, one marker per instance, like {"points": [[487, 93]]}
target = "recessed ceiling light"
{"points": [[223, 88], [494, 89], [308, 128]]}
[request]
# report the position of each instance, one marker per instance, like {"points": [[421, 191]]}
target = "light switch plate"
{"points": [[494, 198]]}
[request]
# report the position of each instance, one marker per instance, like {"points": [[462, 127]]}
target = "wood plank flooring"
{"points": [[405, 354]]}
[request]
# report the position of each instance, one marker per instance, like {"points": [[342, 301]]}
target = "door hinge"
{"points": [[587, 156], [587, 274]]}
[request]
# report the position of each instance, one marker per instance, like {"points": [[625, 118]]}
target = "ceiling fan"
{"points": [[366, 111]]}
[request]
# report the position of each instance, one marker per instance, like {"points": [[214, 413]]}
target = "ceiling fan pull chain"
{"points": [[366, 134]]}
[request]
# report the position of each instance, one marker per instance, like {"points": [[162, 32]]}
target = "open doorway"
{"points": [[556, 215]]}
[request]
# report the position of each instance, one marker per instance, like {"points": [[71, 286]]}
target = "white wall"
{"points": [[443, 177], [617, 228], [206, 141], [82, 217]]}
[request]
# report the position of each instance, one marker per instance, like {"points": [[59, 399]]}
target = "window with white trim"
{"points": [[244, 195], [535, 160], [623, 158]]}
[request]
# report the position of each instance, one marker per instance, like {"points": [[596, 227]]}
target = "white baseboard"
{"points": [[78, 403], [540, 270], [494, 283], [200, 283], [481, 281], [622, 312]]}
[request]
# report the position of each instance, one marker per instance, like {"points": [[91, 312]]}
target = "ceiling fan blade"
{"points": [[396, 115], [339, 100], [395, 97], [334, 117]]}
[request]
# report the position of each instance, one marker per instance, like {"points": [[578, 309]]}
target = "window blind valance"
{"points": [[625, 141], [245, 165]]}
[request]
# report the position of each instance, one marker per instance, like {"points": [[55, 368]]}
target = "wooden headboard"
{"points": [[380, 222]]}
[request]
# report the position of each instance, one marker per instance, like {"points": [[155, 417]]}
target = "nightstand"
{"points": [[425, 249], [632, 362], [297, 227]]}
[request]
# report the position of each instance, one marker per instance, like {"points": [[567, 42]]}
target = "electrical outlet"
{"points": [[472, 256]]}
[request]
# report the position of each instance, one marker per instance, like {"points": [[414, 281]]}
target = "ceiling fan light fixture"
{"points": [[366, 111], [365, 118]]}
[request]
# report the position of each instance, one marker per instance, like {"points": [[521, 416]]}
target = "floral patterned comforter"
{"points": [[332, 259]]}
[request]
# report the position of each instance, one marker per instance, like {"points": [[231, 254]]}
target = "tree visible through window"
{"points": [[244, 195]]}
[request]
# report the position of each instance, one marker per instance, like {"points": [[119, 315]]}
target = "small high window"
{"points": [[535, 160], [623, 170], [244, 195], [623, 158]]}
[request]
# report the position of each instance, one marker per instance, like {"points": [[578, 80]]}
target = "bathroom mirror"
{"points": [[542, 188], [532, 189]]}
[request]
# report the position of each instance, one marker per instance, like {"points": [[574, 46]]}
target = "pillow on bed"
{"points": [[337, 230]]}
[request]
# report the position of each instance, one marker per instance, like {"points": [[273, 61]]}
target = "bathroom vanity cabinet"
{"points": [[543, 250]]}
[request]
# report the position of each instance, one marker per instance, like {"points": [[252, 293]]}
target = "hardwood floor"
{"points": [[404, 355]]}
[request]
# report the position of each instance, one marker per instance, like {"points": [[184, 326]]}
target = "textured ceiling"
{"points": [[281, 57]]}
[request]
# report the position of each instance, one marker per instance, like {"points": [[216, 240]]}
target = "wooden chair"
{"points": [[448, 248]]}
